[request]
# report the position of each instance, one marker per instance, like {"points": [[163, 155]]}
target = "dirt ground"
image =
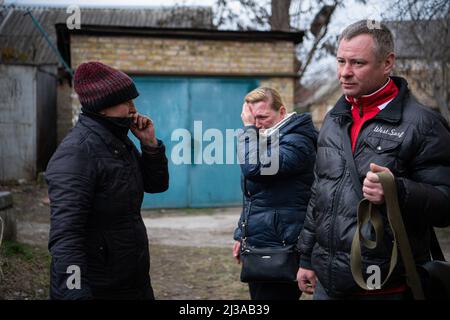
{"points": [[190, 251], [178, 273]]}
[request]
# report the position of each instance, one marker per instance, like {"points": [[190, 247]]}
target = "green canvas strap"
{"points": [[367, 212]]}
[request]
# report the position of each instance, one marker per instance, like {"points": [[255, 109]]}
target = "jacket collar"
{"points": [[279, 125], [103, 133], [391, 113]]}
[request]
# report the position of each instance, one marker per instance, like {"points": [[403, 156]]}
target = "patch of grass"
{"points": [[11, 248], [25, 271]]}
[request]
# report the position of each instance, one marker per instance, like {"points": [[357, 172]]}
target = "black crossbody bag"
{"points": [[268, 264]]}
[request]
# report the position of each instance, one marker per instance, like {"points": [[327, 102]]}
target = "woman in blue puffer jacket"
{"points": [[277, 192]]}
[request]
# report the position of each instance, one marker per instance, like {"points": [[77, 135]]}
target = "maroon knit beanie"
{"points": [[99, 86]]}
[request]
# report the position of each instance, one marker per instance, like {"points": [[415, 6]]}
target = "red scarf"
{"points": [[370, 107]]}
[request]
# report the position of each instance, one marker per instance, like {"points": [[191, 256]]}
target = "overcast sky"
{"points": [[351, 6], [353, 11], [113, 3]]}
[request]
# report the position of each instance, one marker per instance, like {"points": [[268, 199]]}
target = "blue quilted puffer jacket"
{"points": [[276, 204]]}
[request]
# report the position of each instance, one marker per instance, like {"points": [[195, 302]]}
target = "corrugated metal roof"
{"points": [[21, 41]]}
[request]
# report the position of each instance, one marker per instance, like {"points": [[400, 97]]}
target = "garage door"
{"points": [[194, 116]]}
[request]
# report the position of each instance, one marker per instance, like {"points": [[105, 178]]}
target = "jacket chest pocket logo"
{"points": [[385, 139], [393, 133]]}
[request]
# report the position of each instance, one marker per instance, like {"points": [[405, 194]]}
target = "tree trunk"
{"points": [[280, 18]]}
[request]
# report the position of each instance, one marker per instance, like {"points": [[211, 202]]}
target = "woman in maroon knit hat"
{"points": [[96, 179]]}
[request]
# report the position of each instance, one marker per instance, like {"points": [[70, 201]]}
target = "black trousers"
{"points": [[274, 291]]}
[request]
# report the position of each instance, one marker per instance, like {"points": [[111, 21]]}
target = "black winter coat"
{"points": [[96, 184], [414, 143], [276, 204]]}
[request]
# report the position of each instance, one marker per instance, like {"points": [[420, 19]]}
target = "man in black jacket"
{"points": [[96, 180], [384, 129]]}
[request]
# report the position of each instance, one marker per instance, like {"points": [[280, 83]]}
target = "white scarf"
{"points": [[267, 132]]}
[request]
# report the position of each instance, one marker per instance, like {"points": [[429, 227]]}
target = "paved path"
{"points": [[194, 228], [198, 231], [175, 227]]}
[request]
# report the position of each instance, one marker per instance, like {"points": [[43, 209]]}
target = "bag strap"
{"points": [[350, 162], [435, 248], [368, 212], [400, 236], [244, 223], [398, 227]]}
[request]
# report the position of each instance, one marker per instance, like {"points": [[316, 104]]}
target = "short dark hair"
{"points": [[382, 36]]}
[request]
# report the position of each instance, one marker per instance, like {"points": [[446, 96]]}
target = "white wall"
{"points": [[17, 122]]}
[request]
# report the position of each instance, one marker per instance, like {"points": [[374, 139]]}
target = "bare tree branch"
{"points": [[424, 26]]}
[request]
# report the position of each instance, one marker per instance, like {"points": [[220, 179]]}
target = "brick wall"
{"points": [[184, 56], [285, 86], [273, 61]]}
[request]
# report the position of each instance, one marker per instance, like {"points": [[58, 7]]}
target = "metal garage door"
{"points": [[205, 108]]}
